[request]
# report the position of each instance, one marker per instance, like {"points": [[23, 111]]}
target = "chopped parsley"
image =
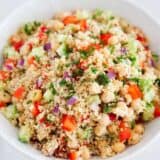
{"points": [[108, 107], [94, 70], [77, 73], [63, 82], [102, 79], [86, 54], [52, 88]]}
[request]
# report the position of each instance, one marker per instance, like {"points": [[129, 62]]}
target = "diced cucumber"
{"points": [[24, 134], [10, 112], [30, 27], [48, 95], [86, 133], [50, 117], [93, 100], [10, 52], [148, 113], [63, 50], [149, 95], [38, 52], [145, 84], [132, 46]]}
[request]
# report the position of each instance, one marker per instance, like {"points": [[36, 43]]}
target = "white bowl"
{"points": [[43, 9]]}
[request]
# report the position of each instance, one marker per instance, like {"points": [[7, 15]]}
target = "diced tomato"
{"points": [[122, 124], [125, 134], [4, 75], [83, 64], [19, 92], [73, 155], [157, 111], [112, 116], [31, 60], [30, 46], [83, 25], [70, 20], [68, 123], [105, 37], [135, 91], [2, 104], [141, 39], [43, 28], [42, 36], [96, 46], [10, 61], [35, 110]]}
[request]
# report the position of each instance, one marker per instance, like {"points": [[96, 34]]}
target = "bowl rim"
{"points": [[26, 152]]}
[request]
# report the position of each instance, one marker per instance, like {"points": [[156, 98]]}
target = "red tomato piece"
{"points": [[68, 123], [4, 75], [105, 37], [125, 134], [157, 111], [19, 92]]}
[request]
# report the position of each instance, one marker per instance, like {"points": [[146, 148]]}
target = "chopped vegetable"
{"points": [[47, 47], [64, 50], [155, 57], [30, 28], [148, 113], [35, 110], [157, 111], [2, 104], [10, 112], [72, 101], [4, 75], [102, 79], [135, 91], [24, 134], [124, 134], [105, 37], [68, 123], [83, 25], [19, 92], [111, 74], [108, 107], [73, 155], [70, 20]]}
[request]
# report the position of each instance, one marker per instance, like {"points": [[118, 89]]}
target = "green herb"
{"points": [[111, 48], [133, 59], [86, 54], [119, 59], [48, 32], [102, 79], [64, 50], [132, 124], [29, 102], [63, 82], [97, 13], [108, 107], [30, 28], [94, 70], [77, 73], [37, 58], [52, 88]]}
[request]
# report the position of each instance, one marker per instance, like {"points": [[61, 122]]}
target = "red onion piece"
{"points": [[66, 75], [21, 62], [9, 67], [56, 108], [47, 47], [39, 83], [72, 101], [123, 50], [111, 74]]}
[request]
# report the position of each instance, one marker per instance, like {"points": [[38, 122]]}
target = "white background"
{"points": [[9, 153]]}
